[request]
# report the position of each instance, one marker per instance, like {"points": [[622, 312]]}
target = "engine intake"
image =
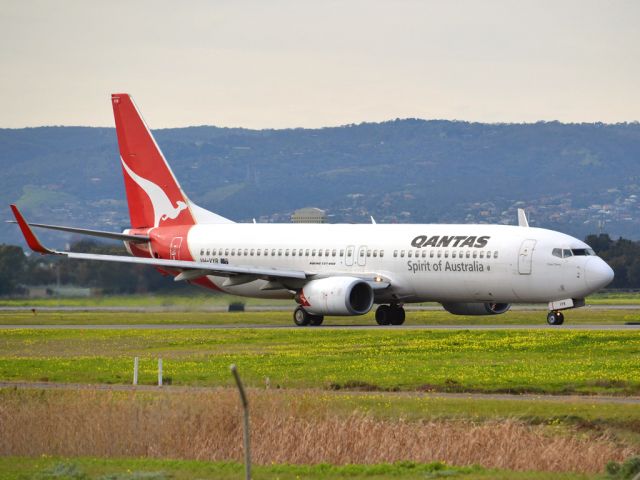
{"points": [[336, 296], [488, 308]]}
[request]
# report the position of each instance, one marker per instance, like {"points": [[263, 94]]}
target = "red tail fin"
{"points": [[153, 193]]}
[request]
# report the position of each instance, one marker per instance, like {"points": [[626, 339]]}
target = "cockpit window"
{"points": [[557, 252], [582, 251], [566, 253]]}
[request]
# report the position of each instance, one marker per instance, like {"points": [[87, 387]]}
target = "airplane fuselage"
{"points": [[430, 262]]}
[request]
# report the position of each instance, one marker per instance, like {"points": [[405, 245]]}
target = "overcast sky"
{"points": [[274, 64]]}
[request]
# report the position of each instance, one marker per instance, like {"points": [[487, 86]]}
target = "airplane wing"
{"points": [[190, 270]]}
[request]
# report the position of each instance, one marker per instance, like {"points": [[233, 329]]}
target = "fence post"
{"points": [[245, 429], [135, 370], [159, 372]]}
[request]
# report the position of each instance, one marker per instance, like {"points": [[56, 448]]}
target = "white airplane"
{"points": [[336, 269]]}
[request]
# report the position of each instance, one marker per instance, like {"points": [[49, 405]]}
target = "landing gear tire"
{"points": [[390, 315], [398, 315], [555, 318], [383, 315], [300, 317]]}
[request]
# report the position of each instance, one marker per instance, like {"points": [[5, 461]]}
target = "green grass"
{"points": [[539, 361], [534, 317], [40, 468]]}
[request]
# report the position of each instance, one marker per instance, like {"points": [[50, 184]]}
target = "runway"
{"points": [[177, 326], [589, 399]]}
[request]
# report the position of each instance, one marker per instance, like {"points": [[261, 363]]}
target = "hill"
{"points": [[578, 178]]}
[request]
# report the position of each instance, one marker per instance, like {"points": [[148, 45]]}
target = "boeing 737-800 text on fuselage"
{"points": [[336, 269]]}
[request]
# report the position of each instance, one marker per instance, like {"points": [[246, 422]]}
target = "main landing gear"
{"points": [[302, 318], [555, 318], [390, 315]]}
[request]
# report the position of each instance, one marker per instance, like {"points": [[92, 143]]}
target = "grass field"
{"points": [[301, 428], [539, 361], [535, 317], [23, 468]]}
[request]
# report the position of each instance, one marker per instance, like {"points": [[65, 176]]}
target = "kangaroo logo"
{"points": [[163, 209]]}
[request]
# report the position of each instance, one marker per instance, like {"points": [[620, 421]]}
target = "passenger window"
{"points": [[207, 252], [488, 254], [306, 252], [557, 252], [286, 252], [402, 253], [326, 252], [361, 253], [381, 253], [369, 253], [319, 253], [446, 254], [461, 255], [453, 254], [246, 252], [468, 254], [395, 253], [233, 252], [481, 254], [439, 253], [342, 252], [333, 252], [475, 254], [279, 252], [409, 253], [375, 253], [424, 253], [349, 253], [293, 252], [213, 252], [226, 252], [253, 252], [273, 252], [313, 252], [495, 254], [258, 252], [300, 252], [201, 251], [431, 254]]}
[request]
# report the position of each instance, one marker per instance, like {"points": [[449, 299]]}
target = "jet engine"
{"points": [[463, 308], [336, 296]]}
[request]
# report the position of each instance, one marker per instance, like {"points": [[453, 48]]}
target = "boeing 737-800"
{"points": [[335, 269]]}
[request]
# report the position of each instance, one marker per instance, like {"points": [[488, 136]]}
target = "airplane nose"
{"points": [[597, 273]]}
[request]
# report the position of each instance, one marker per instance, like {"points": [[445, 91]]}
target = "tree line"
{"points": [[18, 270]]}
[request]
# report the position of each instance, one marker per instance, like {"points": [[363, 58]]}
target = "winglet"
{"points": [[522, 218], [29, 236]]}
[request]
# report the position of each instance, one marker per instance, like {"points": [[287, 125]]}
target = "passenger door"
{"points": [[348, 258], [362, 256], [525, 257]]}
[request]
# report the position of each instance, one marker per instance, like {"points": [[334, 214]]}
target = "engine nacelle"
{"points": [[336, 296], [460, 308]]}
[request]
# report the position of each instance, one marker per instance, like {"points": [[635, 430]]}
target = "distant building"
{"points": [[309, 215]]}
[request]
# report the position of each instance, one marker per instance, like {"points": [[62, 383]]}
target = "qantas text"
{"points": [[449, 241]]}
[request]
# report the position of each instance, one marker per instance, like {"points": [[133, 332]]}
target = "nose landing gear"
{"points": [[390, 315], [555, 318]]}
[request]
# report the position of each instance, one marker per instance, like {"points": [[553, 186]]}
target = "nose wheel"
{"points": [[555, 318]]}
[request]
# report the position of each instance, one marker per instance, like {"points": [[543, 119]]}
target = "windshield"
{"points": [[570, 252]]}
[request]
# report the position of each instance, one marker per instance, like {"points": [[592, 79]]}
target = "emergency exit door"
{"points": [[525, 257]]}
